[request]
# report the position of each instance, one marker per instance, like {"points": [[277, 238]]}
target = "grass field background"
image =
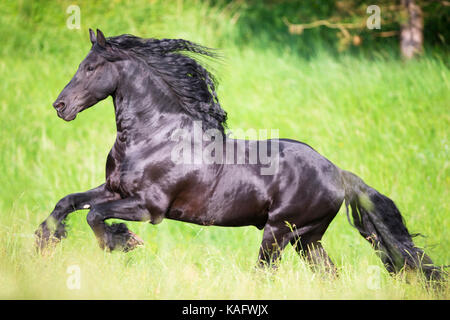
{"points": [[379, 117]]}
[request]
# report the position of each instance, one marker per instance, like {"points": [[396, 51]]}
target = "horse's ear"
{"points": [[101, 39], [92, 36]]}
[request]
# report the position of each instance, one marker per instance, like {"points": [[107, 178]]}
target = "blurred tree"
{"points": [[411, 36], [403, 18]]}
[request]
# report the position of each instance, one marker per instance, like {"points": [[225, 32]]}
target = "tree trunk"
{"points": [[411, 36]]}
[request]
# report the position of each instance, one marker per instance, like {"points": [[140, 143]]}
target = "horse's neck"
{"points": [[143, 116]]}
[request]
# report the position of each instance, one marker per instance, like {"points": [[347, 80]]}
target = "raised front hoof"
{"points": [[121, 238], [46, 240]]}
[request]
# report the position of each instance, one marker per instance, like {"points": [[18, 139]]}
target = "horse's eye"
{"points": [[90, 68]]}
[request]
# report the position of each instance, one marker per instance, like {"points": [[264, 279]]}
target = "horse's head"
{"points": [[95, 79]]}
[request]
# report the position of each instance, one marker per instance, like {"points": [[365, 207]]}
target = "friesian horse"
{"points": [[157, 89]]}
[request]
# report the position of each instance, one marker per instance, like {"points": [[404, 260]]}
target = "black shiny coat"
{"points": [[156, 91]]}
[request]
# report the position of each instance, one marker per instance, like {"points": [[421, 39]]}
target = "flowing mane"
{"points": [[193, 85]]}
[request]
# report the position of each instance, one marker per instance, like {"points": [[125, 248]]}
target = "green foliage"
{"points": [[385, 120]]}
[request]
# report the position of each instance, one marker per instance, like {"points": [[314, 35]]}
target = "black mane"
{"points": [[194, 86]]}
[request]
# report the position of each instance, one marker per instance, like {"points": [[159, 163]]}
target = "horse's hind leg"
{"points": [[53, 229], [316, 256], [274, 241], [117, 236], [309, 247]]}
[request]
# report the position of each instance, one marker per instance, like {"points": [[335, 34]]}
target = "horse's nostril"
{"points": [[58, 105]]}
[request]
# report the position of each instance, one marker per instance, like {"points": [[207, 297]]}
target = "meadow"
{"points": [[384, 119]]}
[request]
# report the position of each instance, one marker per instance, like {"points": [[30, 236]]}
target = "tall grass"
{"points": [[383, 119]]}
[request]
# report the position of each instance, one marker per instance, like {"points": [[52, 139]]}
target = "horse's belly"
{"points": [[223, 218], [222, 209], [240, 218]]}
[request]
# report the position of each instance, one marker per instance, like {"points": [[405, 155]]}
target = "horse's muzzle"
{"points": [[59, 105], [60, 108]]}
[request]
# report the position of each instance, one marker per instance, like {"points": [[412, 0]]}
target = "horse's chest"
{"points": [[122, 175]]}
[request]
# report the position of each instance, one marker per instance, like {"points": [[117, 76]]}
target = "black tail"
{"points": [[379, 221]]}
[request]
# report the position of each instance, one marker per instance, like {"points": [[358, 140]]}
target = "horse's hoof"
{"points": [[121, 238], [133, 242], [44, 240]]}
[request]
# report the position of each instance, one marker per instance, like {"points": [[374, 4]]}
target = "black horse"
{"points": [[156, 91]]}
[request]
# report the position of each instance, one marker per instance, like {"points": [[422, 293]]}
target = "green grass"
{"points": [[383, 119]]}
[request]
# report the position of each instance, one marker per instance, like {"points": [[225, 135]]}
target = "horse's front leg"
{"points": [[117, 236], [52, 230]]}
